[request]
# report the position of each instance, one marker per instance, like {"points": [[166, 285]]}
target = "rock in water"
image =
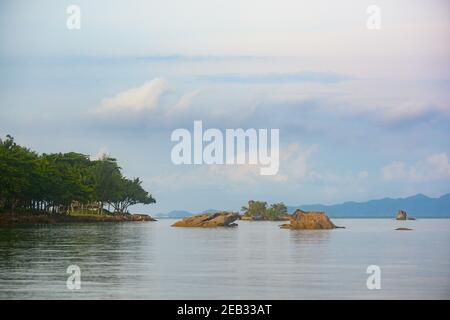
{"points": [[403, 229], [219, 219], [309, 220], [401, 215]]}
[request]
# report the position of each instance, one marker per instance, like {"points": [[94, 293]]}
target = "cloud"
{"points": [[320, 77], [295, 100], [394, 171], [293, 168], [183, 104], [154, 103], [410, 111], [145, 97], [293, 162], [434, 167], [388, 102]]}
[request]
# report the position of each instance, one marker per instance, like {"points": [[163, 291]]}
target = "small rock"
{"points": [[401, 215]]}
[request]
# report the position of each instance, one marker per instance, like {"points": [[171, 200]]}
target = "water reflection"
{"points": [[256, 260], [310, 237], [35, 259]]}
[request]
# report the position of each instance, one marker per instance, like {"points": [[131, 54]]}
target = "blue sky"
{"points": [[362, 113]]}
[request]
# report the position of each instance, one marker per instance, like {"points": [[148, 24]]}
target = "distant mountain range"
{"points": [[419, 206]]}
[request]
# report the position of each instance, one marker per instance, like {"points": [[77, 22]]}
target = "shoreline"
{"points": [[7, 219]]}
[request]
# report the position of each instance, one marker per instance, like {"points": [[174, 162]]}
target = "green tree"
{"points": [[17, 168], [255, 209], [276, 211], [129, 193], [106, 179], [258, 210], [53, 182]]}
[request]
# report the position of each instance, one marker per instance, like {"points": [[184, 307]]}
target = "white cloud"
{"points": [[293, 167], [183, 104], [389, 101], [409, 111], [145, 97], [293, 162], [154, 101], [434, 167], [394, 170]]}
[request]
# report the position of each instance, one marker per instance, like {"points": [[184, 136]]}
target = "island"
{"points": [[65, 187], [259, 211], [402, 215], [309, 220]]}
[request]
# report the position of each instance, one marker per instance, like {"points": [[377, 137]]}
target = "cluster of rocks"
{"points": [[298, 220]]}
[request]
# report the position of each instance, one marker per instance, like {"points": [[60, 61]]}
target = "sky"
{"points": [[362, 113]]}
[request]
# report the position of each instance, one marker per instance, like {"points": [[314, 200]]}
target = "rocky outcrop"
{"points": [[219, 219], [309, 220], [402, 215]]}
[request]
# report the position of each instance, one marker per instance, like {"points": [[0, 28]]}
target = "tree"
{"points": [[255, 209], [129, 193], [106, 178], [258, 210], [53, 182], [17, 167], [275, 211]]}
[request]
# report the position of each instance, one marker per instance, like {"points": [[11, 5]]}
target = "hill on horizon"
{"points": [[419, 206]]}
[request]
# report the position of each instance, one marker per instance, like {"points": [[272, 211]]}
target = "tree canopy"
{"points": [[54, 182], [259, 210]]}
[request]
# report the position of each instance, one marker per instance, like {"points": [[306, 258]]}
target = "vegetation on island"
{"points": [[63, 183], [258, 210]]}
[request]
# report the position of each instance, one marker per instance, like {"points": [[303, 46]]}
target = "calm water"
{"points": [[257, 260]]}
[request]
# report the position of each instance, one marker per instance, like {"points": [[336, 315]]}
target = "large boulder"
{"points": [[401, 215], [219, 219], [309, 220]]}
